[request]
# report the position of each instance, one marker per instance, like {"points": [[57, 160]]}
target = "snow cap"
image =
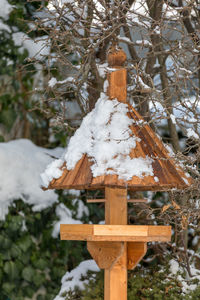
{"points": [[115, 147]]}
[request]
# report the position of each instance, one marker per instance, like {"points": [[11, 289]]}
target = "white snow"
{"points": [[173, 118], [144, 43], [65, 217], [82, 209], [75, 278], [5, 9], [186, 112], [192, 133], [156, 178], [124, 39], [4, 27], [37, 48], [174, 266], [105, 136], [187, 285], [21, 164], [102, 69], [105, 86], [52, 171], [52, 82]]}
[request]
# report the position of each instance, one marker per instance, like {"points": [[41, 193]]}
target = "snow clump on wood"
{"points": [[107, 139]]}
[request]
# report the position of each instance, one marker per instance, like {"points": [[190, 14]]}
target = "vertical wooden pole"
{"points": [[115, 278]]}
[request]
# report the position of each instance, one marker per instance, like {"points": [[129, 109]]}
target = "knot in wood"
{"points": [[116, 58]]}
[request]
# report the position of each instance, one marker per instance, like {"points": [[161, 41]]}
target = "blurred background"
{"points": [[52, 70]]}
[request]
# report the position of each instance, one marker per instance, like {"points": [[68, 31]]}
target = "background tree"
{"points": [[53, 68]]}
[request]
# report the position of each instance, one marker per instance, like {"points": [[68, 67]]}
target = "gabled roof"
{"points": [[167, 174]]}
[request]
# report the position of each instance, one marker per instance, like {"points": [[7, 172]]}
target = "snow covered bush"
{"points": [[70, 40], [32, 257], [157, 281]]}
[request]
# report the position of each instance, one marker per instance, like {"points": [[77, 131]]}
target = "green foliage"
{"points": [[30, 258], [17, 75], [143, 284]]}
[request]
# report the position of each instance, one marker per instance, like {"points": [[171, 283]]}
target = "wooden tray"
{"points": [[115, 233]]}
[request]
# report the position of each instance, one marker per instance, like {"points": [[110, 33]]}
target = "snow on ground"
{"points": [[74, 278], [105, 136], [21, 164]]}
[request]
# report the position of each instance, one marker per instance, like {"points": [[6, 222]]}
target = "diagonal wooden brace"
{"points": [[135, 253], [107, 254]]}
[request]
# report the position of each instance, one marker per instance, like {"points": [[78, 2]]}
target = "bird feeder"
{"points": [[117, 246]]}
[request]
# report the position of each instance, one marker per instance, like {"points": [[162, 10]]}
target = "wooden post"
{"points": [[115, 278]]}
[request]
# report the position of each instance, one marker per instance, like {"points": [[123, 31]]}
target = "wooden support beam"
{"points": [[105, 254], [135, 252], [115, 278], [115, 233], [128, 200]]}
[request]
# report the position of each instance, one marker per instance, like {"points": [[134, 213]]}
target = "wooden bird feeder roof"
{"points": [[167, 174]]}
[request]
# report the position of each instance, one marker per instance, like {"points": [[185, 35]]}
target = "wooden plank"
{"points": [[116, 206], [115, 278], [135, 252], [137, 200], [117, 86], [128, 200], [120, 230], [115, 233], [80, 232], [96, 200], [105, 254]]}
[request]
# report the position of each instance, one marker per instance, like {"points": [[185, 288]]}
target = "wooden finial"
{"points": [[116, 57], [117, 78]]}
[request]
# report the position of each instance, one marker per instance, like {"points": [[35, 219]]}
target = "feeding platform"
{"points": [[115, 233], [116, 150]]}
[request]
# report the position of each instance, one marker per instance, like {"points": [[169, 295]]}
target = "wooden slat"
{"points": [[96, 200], [128, 200], [115, 233]]}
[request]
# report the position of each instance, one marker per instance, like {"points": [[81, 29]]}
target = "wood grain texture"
{"points": [[105, 254], [135, 252], [115, 278], [128, 200], [117, 85], [116, 58], [115, 233], [167, 173]]}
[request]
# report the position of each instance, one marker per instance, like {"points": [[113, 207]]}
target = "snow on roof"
{"points": [[21, 163], [105, 136]]}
